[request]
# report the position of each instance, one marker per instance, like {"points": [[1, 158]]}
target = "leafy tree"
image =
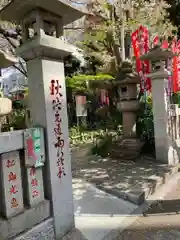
{"points": [[107, 32], [174, 13], [104, 31]]}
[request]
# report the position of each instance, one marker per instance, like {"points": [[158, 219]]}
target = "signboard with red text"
{"points": [[81, 110], [35, 186], [12, 196]]}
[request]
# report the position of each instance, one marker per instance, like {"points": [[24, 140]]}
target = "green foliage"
{"points": [[79, 83], [103, 146], [16, 120], [174, 13], [153, 16], [79, 136], [102, 34], [71, 65], [145, 126]]}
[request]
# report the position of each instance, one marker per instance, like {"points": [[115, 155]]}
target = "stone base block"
{"points": [[24, 221], [127, 149], [45, 231]]}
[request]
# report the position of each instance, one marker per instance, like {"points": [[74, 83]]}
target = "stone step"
{"points": [[137, 194], [128, 153]]}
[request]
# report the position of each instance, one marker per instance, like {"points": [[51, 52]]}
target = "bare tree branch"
{"points": [[77, 2], [20, 70]]}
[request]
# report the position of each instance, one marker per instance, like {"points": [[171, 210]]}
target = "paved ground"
{"points": [[101, 216], [161, 223], [124, 179], [96, 212]]}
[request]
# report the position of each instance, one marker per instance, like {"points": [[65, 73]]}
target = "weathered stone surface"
{"points": [[49, 110], [131, 180], [127, 149], [12, 196], [35, 193], [45, 231], [24, 221]]}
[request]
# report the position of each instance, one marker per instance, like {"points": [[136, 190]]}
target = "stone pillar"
{"points": [[47, 94], [164, 143], [48, 106], [160, 115]]}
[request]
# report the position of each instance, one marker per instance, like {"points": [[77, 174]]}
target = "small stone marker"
{"points": [[35, 186], [12, 195]]}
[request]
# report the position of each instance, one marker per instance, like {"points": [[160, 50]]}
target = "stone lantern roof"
{"points": [[126, 75], [131, 78], [16, 9], [157, 54]]}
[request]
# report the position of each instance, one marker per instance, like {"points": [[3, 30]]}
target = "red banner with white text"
{"points": [[178, 66], [140, 45], [174, 65]]}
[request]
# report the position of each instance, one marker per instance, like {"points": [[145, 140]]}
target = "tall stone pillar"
{"points": [[42, 23], [165, 144]]}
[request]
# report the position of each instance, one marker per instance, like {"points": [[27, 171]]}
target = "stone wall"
{"points": [[22, 202]]}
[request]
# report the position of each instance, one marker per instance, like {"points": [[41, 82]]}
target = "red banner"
{"points": [[136, 48], [155, 41], [164, 44], [104, 97], [174, 66], [144, 38], [178, 66]]}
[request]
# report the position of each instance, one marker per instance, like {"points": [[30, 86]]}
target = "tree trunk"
{"points": [[122, 31]]}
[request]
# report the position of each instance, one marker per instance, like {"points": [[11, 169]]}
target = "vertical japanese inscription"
{"points": [[12, 184], [55, 92], [35, 186]]}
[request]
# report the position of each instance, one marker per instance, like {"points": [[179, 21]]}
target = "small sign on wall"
{"points": [[81, 110], [34, 147], [12, 196]]}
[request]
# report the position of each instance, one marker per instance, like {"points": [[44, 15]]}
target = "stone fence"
{"points": [[22, 203]]}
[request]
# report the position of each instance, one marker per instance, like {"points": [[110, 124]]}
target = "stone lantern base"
{"points": [[129, 148]]}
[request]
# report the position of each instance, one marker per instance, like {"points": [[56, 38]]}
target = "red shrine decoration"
{"points": [[140, 45]]}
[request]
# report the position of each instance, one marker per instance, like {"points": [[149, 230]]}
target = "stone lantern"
{"points": [[165, 144], [126, 82], [42, 24]]}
